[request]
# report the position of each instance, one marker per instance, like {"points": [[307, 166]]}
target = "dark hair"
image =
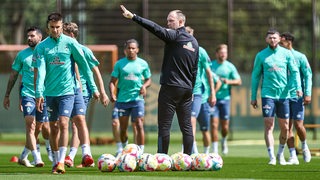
{"points": [[288, 36], [126, 44], [34, 28], [272, 31], [71, 27], [55, 16]]}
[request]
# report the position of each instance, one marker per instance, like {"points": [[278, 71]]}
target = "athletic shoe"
{"points": [[54, 169], [40, 163], [306, 155], [273, 162], [81, 165], [87, 161], [280, 158], [25, 162], [60, 168], [293, 161], [68, 162]]}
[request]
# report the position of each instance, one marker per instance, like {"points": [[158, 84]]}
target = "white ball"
{"points": [[106, 163], [127, 163], [202, 162], [217, 161], [132, 149], [181, 162], [147, 162], [164, 162]]}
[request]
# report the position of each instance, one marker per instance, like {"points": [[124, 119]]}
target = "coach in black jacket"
{"points": [[178, 75]]}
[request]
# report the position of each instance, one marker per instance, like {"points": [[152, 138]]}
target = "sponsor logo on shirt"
{"points": [[274, 68], [189, 47], [57, 61], [131, 77]]}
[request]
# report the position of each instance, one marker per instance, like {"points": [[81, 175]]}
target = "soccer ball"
{"points": [[193, 156], [147, 162], [181, 162], [127, 163], [217, 161], [132, 149], [164, 162], [202, 162], [106, 163]]}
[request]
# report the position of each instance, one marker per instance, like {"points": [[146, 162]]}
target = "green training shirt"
{"points": [[56, 76], [272, 65], [224, 70], [131, 75], [23, 65], [92, 62], [302, 63]]}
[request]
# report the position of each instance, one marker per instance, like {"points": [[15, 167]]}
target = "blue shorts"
{"points": [[79, 107], [59, 106], [133, 108], [86, 100], [196, 105], [296, 108], [272, 107], [115, 113], [29, 109], [221, 109], [204, 117]]}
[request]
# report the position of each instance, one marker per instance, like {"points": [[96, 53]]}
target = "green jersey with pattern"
{"points": [[302, 63], [131, 75], [54, 58], [23, 65], [273, 65], [92, 62], [224, 70]]}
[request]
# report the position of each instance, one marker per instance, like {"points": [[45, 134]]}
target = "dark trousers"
{"points": [[174, 99]]}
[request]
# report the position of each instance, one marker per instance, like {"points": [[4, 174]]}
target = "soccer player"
{"points": [[116, 131], [229, 77], [71, 29], [54, 61], [297, 103], [22, 63], [132, 76], [273, 64], [178, 75], [204, 96]]}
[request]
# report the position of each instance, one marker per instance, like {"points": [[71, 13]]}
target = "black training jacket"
{"points": [[181, 52]]}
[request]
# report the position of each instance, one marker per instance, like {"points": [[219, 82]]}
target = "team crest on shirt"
{"points": [[189, 46]]}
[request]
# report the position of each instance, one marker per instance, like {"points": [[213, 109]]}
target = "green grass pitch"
{"points": [[247, 160]]}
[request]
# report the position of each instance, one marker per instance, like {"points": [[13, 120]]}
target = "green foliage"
{"points": [[17, 15]]}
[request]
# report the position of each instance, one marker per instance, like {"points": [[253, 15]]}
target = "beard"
{"points": [[32, 44]]}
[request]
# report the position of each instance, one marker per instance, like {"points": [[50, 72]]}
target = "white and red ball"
{"points": [[217, 161], [127, 163], [132, 149], [202, 162], [181, 162], [164, 162], [147, 162], [106, 163]]}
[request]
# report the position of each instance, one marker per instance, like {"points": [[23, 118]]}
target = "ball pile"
{"points": [[132, 159]]}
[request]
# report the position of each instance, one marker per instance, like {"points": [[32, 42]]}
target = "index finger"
{"points": [[123, 8]]}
